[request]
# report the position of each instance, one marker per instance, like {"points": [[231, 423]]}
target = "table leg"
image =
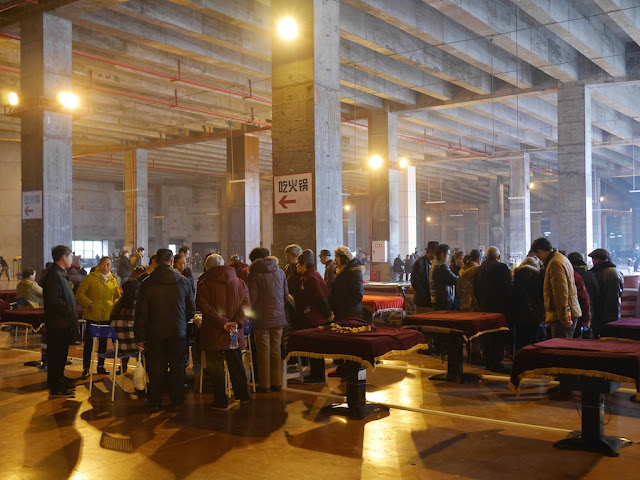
{"points": [[592, 437], [357, 407], [455, 363]]}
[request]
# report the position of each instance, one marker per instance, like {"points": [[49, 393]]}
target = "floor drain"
{"points": [[115, 442]]}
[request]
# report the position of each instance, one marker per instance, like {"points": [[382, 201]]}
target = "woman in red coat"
{"points": [[223, 299], [312, 305]]}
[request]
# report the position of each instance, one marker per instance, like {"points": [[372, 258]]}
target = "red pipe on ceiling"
{"points": [[172, 78], [15, 3]]}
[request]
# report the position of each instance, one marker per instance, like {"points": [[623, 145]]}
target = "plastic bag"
{"points": [[140, 375]]}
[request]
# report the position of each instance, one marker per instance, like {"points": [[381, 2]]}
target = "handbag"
{"points": [[140, 375]]}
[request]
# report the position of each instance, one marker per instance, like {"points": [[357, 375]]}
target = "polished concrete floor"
{"points": [[434, 430]]}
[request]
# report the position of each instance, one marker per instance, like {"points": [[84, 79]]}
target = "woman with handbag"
{"points": [[312, 305]]}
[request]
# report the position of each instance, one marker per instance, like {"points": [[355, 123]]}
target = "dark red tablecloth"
{"points": [[628, 328], [34, 316], [380, 302], [607, 359], [468, 324], [8, 295], [363, 347]]}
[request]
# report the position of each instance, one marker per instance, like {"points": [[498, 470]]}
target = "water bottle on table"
{"points": [[233, 337]]}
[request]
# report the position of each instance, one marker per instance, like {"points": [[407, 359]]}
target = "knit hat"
{"points": [[344, 251], [576, 259], [325, 253]]}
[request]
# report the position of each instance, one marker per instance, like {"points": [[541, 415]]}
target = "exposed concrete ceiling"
{"points": [[473, 81]]}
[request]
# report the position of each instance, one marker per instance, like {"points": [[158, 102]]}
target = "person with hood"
{"points": [[528, 303], [561, 307], [420, 279], [268, 293], [312, 306], [241, 268], [442, 280], [164, 306], [468, 300], [97, 293], [224, 301], [348, 287], [610, 285]]}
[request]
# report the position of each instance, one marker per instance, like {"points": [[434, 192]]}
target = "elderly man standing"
{"points": [[164, 305], [561, 307], [610, 284], [420, 279], [329, 267], [60, 319]]}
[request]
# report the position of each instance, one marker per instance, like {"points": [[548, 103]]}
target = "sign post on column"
{"points": [[32, 205], [293, 193]]}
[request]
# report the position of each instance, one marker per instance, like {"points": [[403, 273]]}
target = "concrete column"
{"points": [[383, 187], [574, 169], [361, 204], [519, 208], [136, 199], [46, 134], [420, 221], [483, 226], [243, 194], [161, 220], [496, 214], [349, 234], [597, 216], [266, 211], [407, 210], [306, 120]]}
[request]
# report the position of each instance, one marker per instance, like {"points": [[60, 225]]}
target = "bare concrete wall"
{"points": [[10, 193]]}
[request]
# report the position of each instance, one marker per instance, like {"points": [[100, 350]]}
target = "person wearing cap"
{"points": [[329, 267], [610, 284], [420, 279], [588, 278], [347, 288], [559, 289]]}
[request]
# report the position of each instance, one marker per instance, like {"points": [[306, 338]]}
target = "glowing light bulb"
{"points": [[68, 100], [375, 161], [287, 28], [13, 99]]}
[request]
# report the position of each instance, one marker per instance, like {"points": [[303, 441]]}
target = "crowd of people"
{"points": [[550, 294], [150, 307]]}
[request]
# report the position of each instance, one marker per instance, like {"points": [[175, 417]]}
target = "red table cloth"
{"points": [[381, 302], [469, 324], [627, 328], [8, 295], [364, 348], [606, 359], [34, 316]]}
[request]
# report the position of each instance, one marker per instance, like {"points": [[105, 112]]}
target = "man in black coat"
{"points": [[442, 281], [493, 289], [610, 285], [589, 279], [60, 319], [420, 279], [165, 304]]}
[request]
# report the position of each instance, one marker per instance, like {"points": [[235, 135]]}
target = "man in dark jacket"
{"points": [[123, 269], [329, 267], [492, 284], [610, 284], [408, 266], [589, 279], [492, 288], [348, 288], [420, 279], [164, 305], [60, 319], [442, 280], [398, 268]]}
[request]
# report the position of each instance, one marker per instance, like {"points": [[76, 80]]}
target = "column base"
{"points": [[605, 445], [356, 412]]}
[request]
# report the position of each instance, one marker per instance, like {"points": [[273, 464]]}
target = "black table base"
{"points": [[591, 438], [357, 407], [455, 362]]}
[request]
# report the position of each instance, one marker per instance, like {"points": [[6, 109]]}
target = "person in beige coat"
{"points": [[561, 307]]}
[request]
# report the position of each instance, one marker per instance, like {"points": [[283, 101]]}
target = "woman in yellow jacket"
{"points": [[97, 293]]}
